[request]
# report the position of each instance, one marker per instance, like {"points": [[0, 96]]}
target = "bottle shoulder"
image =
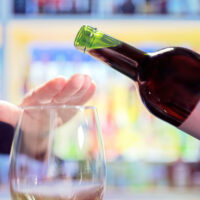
{"points": [[170, 52], [168, 61], [169, 83]]}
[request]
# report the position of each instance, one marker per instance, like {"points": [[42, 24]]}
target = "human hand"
{"points": [[76, 90]]}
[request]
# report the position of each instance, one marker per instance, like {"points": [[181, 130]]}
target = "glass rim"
{"points": [[54, 106]]}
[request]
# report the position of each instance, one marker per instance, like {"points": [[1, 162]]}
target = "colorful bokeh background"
{"points": [[36, 38]]}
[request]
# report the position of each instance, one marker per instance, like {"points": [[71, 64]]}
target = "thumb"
{"points": [[9, 113]]}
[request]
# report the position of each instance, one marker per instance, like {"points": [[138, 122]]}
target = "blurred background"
{"points": [[146, 158]]}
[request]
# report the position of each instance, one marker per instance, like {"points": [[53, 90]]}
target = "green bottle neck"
{"points": [[89, 38], [119, 55]]}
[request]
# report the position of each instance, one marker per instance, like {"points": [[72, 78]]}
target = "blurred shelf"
{"points": [[105, 17]]}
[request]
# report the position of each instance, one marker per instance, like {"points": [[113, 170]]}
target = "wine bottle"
{"points": [[168, 80]]}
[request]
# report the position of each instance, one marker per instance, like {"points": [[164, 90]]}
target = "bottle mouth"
{"points": [[89, 38], [83, 38]]}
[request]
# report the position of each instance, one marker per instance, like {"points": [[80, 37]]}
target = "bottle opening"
{"points": [[84, 37], [90, 38]]}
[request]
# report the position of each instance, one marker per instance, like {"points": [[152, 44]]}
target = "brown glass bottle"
{"points": [[168, 80]]}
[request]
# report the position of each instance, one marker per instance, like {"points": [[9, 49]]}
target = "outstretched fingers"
{"points": [[71, 88], [77, 89], [84, 97], [76, 92], [44, 93]]}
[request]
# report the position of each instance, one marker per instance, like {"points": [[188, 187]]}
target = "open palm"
{"points": [[74, 91]]}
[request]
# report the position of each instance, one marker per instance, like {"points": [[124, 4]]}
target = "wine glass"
{"points": [[57, 154]]}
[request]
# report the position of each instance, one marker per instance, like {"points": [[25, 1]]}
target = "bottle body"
{"points": [[168, 80], [170, 88]]}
